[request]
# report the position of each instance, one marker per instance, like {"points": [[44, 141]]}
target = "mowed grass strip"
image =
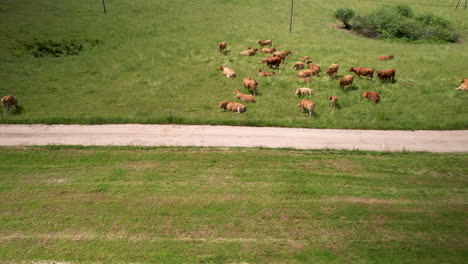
{"points": [[157, 62], [230, 205]]}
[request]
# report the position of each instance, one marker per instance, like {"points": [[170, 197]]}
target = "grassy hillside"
{"points": [[156, 62], [224, 205]]}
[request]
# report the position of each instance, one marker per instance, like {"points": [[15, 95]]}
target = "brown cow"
{"points": [[9, 101], [244, 97], [345, 81], [250, 84], [308, 105], [272, 61], [384, 58], [228, 72], [303, 91], [362, 71], [265, 42], [232, 106], [388, 74], [305, 73], [222, 46], [249, 52], [371, 96], [332, 70], [316, 69]]}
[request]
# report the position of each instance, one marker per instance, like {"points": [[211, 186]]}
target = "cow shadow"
{"points": [[349, 88], [226, 52]]}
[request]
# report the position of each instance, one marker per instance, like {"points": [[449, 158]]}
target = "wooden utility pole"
{"points": [[290, 19], [104, 6], [459, 3]]}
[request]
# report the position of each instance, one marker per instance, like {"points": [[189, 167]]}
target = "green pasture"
{"points": [[230, 205], [156, 62]]}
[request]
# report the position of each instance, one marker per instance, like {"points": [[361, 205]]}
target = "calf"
{"points": [[371, 96], [384, 58], [265, 74], [232, 106], [308, 105], [265, 42], [303, 91], [222, 46], [249, 52], [362, 71], [464, 85], [385, 75], [298, 66], [227, 71], [250, 84], [333, 100], [345, 81], [244, 97], [304, 58], [268, 50]]}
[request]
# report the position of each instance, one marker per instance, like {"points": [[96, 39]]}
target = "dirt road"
{"points": [[227, 136]]}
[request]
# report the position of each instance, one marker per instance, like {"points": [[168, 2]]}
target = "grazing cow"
{"points": [[304, 58], [371, 96], [265, 74], [316, 69], [362, 71], [332, 70], [222, 46], [232, 106], [272, 61], [264, 42], [227, 71], [306, 73], [244, 97], [464, 85], [9, 101], [384, 58], [345, 81], [333, 100], [249, 52], [308, 105], [268, 50], [388, 74], [303, 91], [250, 84], [298, 66]]}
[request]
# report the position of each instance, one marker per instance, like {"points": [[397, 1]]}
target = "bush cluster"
{"points": [[400, 22], [49, 48]]}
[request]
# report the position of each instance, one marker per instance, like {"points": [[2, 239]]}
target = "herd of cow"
{"points": [[305, 75]]}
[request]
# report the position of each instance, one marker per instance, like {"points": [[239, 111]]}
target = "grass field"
{"points": [[228, 205], [156, 62]]}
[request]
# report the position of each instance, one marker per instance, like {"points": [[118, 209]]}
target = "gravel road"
{"points": [[228, 136]]}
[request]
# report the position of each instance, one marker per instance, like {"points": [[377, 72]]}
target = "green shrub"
{"points": [[398, 21], [344, 15]]}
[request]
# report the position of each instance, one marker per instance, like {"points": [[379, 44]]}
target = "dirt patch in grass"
{"points": [[366, 201]]}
